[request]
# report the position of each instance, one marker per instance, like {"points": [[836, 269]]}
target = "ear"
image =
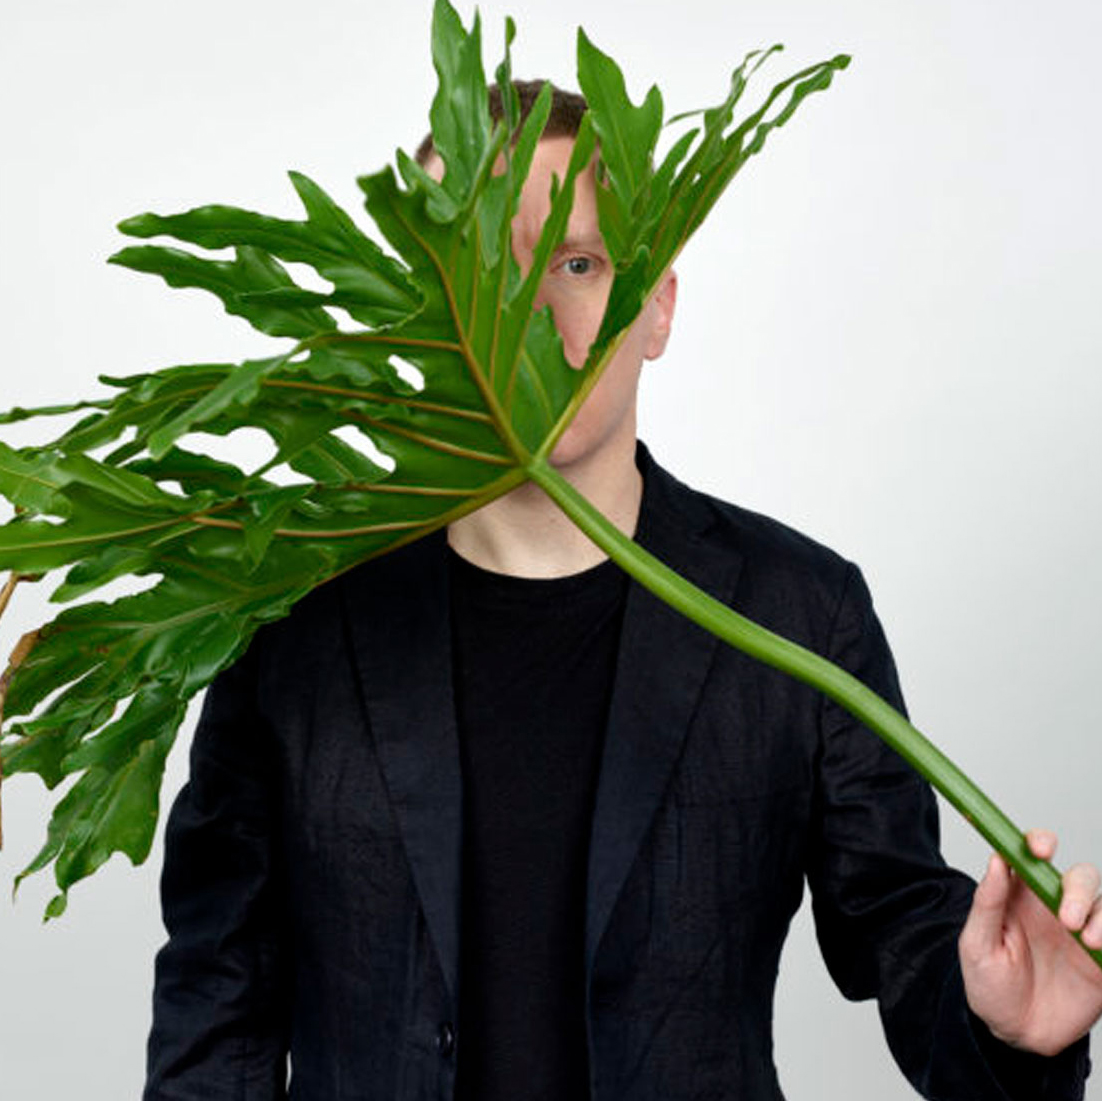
{"points": [[661, 307], [434, 166]]}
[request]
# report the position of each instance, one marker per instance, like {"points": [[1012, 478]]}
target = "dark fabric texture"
{"points": [[534, 661], [313, 863]]}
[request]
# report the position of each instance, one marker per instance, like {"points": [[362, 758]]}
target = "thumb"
{"points": [[983, 931]]}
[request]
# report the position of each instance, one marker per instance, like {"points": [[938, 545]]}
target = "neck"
{"points": [[525, 534]]}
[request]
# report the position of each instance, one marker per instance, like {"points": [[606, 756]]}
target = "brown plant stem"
{"points": [[9, 588], [18, 656]]}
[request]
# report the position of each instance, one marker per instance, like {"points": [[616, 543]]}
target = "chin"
{"points": [[563, 459], [578, 449], [571, 447], [600, 442]]}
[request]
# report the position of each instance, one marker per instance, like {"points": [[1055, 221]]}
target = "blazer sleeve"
{"points": [[888, 910], [220, 1002]]}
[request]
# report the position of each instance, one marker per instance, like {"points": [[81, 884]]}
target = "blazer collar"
{"points": [[399, 626]]}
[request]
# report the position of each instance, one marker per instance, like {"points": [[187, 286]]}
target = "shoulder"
{"points": [[407, 584], [782, 579], [770, 552]]}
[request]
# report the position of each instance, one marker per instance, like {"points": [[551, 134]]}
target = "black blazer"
{"points": [[312, 867]]}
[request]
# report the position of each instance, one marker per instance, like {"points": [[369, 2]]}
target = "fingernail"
{"points": [[1074, 913]]}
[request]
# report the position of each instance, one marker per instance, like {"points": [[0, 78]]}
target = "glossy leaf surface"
{"points": [[426, 341]]}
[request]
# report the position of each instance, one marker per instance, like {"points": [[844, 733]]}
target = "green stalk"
{"points": [[846, 690]]}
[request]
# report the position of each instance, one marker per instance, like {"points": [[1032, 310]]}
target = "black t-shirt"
{"points": [[534, 664]]}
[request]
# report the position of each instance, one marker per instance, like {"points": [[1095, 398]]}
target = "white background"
{"points": [[889, 335]]}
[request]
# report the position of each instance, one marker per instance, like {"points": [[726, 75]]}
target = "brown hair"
{"points": [[567, 109]]}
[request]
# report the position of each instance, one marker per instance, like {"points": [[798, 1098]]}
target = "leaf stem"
{"points": [[9, 587], [22, 648], [846, 690]]}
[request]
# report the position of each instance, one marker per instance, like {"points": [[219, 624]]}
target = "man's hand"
{"points": [[1024, 975]]}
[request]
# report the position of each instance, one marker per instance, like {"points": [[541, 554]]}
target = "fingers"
{"points": [[983, 931], [1092, 931], [1080, 904], [1042, 843]]}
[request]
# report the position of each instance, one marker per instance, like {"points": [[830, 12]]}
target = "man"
{"points": [[483, 820]]}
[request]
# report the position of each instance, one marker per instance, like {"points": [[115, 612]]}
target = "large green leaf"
{"points": [[427, 342]]}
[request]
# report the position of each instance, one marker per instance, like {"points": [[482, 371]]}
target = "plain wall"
{"points": [[888, 335]]}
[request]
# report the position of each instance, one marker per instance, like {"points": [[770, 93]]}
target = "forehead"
{"points": [[552, 159]]}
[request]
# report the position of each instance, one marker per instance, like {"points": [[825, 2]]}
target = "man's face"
{"points": [[576, 287]]}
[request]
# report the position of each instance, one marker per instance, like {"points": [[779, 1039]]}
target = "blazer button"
{"points": [[445, 1040]]}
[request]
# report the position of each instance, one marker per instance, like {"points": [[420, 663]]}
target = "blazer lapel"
{"points": [[661, 667], [398, 621]]}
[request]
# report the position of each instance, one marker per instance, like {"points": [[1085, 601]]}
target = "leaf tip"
{"points": [[586, 47], [139, 225], [443, 13], [56, 906], [160, 443]]}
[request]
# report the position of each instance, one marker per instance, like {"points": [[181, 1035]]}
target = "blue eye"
{"points": [[578, 265]]}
